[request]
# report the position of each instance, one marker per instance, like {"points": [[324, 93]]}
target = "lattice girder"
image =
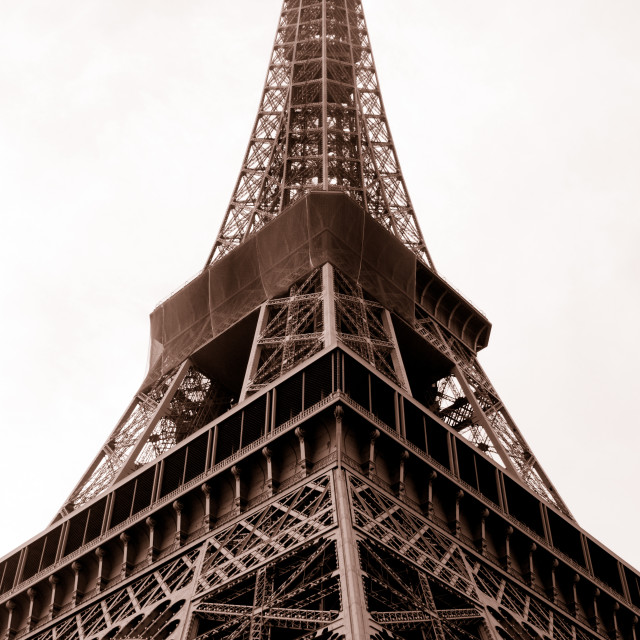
{"points": [[177, 406], [321, 125], [290, 330], [468, 402], [494, 601], [295, 558], [149, 606], [286, 594], [324, 307], [330, 502], [365, 327]]}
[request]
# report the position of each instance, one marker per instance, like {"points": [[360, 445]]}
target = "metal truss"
{"points": [[365, 327], [275, 569], [300, 591], [519, 612], [321, 125], [282, 570], [196, 402], [468, 402], [287, 521], [177, 406], [146, 607], [420, 578], [290, 329], [401, 599], [323, 307], [411, 537]]}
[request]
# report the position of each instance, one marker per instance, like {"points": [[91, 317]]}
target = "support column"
{"points": [[398, 364], [530, 573], [32, 616], [329, 306], [399, 485], [159, 411], [54, 607], [615, 629], [181, 534], [354, 602], [481, 540], [269, 485], [11, 622], [573, 603], [304, 464], [207, 518], [506, 556], [338, 413], [127, 565], [482, 418], [454, 523], [371, 465], [254, 357], [594, 617], [553, 591], [101, 578], [429, 505], [239, 501], [77, 592], [152, 551]]}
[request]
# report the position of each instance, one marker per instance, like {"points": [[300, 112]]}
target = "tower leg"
{"points": [[354, 602]]}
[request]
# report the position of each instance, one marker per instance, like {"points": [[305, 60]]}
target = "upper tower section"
{"points": [[321, 126]]}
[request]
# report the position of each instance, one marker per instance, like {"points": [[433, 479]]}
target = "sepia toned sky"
{"points": [[122, 130]]}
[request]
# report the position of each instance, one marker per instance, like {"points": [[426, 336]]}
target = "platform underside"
{"points": [[322, 227]]}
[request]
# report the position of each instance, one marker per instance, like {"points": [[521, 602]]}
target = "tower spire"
{"points": [[321, 126]]}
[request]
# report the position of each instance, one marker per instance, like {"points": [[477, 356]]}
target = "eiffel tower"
{"points": [[316, 451]]}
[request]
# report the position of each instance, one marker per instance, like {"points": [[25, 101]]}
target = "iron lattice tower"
{"points": [[316, 451], [321, 125]]}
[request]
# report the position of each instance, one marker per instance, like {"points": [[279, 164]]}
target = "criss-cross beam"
{"points": [[321, 125]]}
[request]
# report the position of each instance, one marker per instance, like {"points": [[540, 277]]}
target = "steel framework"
{"points": [[335, 554], [334, 463], [322, 309], [321, 125]]}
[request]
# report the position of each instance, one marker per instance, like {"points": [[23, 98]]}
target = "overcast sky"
{"points": [[122, 130]]}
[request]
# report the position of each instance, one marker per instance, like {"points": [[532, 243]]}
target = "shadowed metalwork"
{"points": [[316, 451]]}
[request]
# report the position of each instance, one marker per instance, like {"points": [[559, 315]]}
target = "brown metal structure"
{"points": [[316, 451], [321, 125]]}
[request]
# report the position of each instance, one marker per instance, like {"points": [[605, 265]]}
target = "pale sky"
{"points": [[122, 130]]}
